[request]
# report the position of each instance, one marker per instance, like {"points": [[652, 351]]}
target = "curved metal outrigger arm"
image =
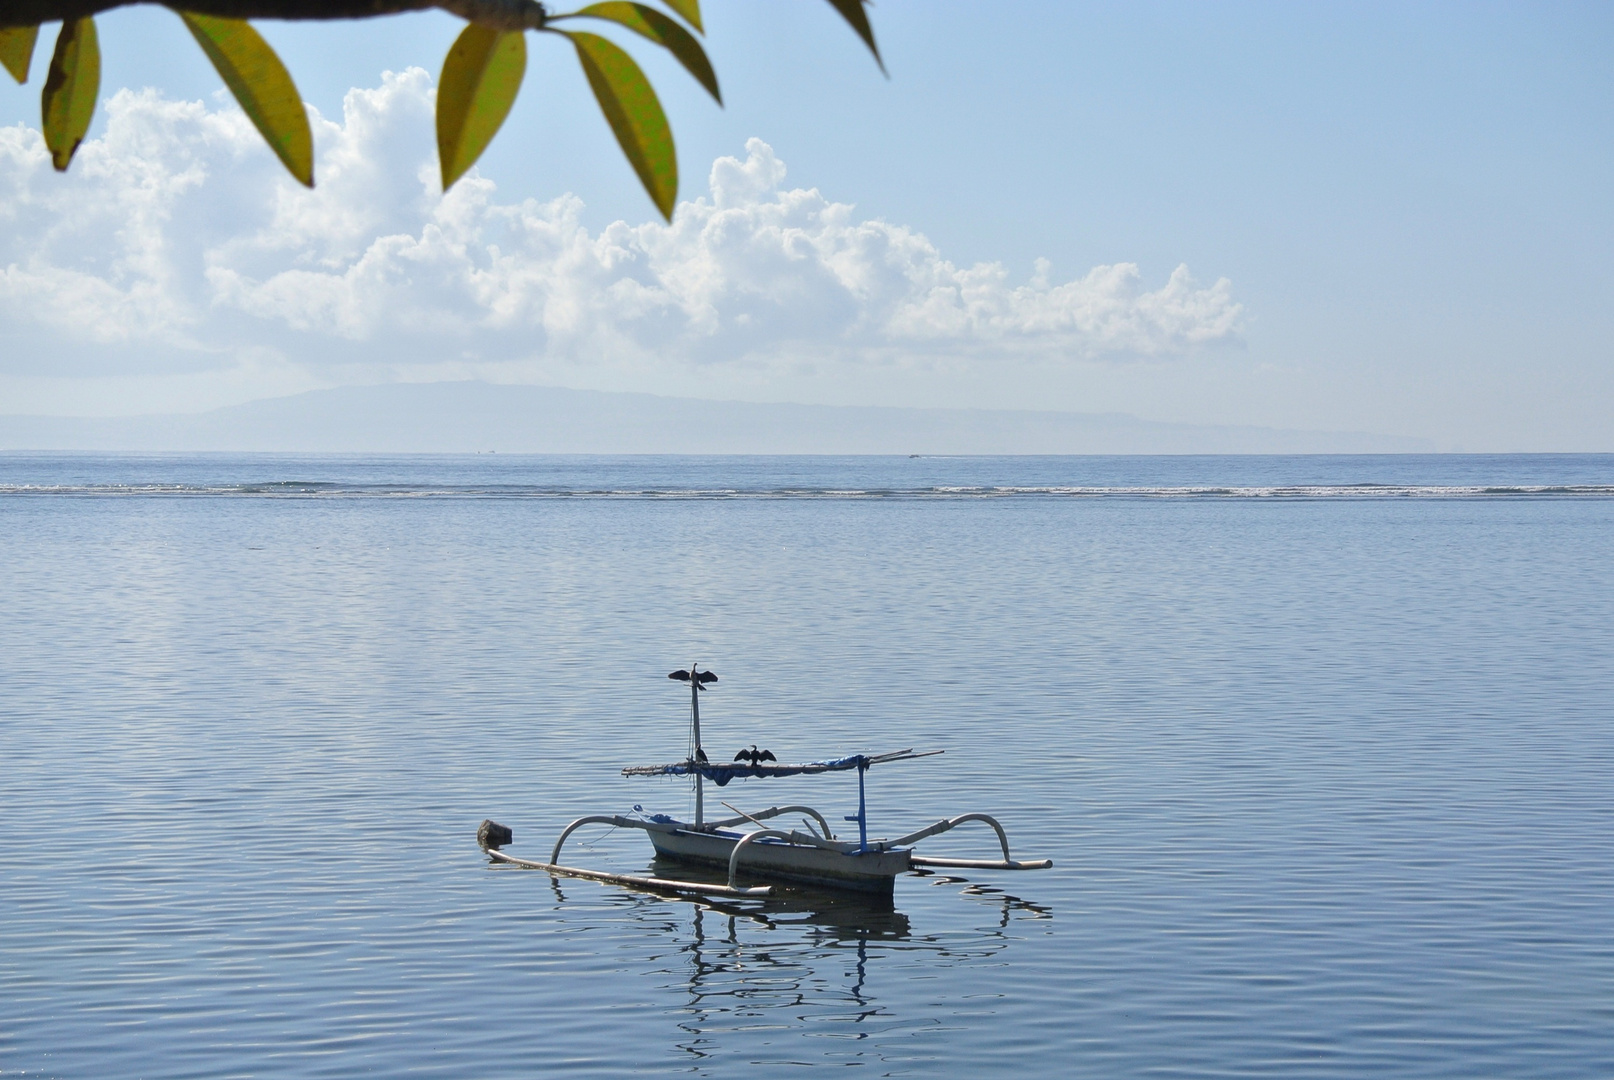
{"points": [[606, 819], [770, 812], [745, 841], [944, 825]]}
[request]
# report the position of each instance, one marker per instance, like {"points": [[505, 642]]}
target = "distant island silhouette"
{"points": [[471, 417]]}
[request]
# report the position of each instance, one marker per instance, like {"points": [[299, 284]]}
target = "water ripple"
{"points": [[1324, 780]]}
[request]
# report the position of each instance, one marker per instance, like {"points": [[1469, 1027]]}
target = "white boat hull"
{"points": [[866, 871]]}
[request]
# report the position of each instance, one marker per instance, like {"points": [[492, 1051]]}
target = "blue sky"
{"points": [[1410, 205]]}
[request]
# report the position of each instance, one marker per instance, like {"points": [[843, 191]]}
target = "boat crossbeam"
{"points": [[1008, 862]]}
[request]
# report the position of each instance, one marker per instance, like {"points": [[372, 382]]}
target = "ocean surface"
{"points": [[1322, 749]]}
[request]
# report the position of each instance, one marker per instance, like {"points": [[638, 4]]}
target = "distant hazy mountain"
{"points": [[472, 416]]}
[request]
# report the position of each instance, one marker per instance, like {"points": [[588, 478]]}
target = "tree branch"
{"points": [[500, 14]]}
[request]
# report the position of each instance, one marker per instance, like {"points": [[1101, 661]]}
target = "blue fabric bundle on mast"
{"points": [[721, 772]]}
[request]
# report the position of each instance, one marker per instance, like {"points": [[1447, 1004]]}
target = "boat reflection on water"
{"points": [[802, 960], [860, 913]]}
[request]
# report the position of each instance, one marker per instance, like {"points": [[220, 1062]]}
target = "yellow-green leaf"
{"points": [[635, 115], [481, 76], [263, 86], [690, 10], [17, 50], [71, 86], [650, 23], [852, 11]]}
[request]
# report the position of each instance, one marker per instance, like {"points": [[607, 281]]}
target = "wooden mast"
{"points": [[695, 728]]}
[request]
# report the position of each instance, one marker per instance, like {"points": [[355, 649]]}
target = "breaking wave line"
{"points": [[320, 489]]}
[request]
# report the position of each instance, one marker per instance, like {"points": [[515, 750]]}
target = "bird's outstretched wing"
{"points": [[707, 676], [681, 676], [766, 755], [743, 755]]}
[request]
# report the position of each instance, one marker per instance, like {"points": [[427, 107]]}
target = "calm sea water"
{"points": [[1321, 748]]}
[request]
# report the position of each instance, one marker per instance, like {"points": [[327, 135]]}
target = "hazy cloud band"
{"points": [[176, 243]]}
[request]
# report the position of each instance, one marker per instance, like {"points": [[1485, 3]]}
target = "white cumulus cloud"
{"points": [[177, 243]]}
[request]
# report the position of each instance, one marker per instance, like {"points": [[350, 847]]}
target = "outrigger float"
{"points": [[816, 857]]}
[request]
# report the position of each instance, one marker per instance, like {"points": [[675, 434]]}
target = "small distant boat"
{"points": [[816, 857]]}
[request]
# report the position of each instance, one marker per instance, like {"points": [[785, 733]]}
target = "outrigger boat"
{"points": [[816, 857]]}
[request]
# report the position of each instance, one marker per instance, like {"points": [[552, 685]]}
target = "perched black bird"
{"points": [[700, 755], [755, 756], [701, 677]]}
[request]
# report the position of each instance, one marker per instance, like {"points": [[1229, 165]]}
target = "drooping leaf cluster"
{"points": [[481, 76]]}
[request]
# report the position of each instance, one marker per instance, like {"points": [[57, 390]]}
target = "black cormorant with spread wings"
{"points": [[700, 677], [755, 756]]}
